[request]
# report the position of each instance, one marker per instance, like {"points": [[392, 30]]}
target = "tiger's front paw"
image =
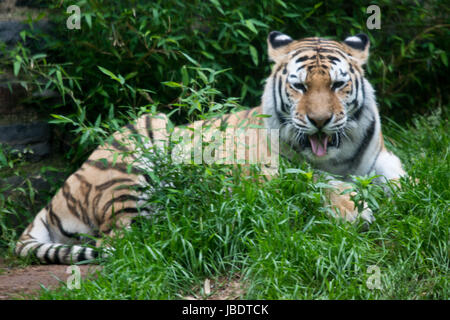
{"points": [[344, 207]]}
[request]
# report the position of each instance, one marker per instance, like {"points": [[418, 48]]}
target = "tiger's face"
{"points": [[316, 89]]}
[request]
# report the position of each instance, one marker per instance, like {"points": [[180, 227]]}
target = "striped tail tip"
{"points": [[56, 253]]}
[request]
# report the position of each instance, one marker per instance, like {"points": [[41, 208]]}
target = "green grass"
{"points": [[280, 240]]}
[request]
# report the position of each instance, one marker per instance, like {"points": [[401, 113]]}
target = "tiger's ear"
{"points": [[277, 44], [359, 47]]}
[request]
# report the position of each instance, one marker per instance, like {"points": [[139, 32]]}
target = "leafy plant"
{"points": [[129, 54]]}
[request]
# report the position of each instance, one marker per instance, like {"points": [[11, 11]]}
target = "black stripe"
{"points": [[70, 200], [274, 92], [274, 96], [47, 257], [357, 86], [148, 127], [48, 230], [60, 227], [224, 122], [82, 255], [22, 246], [304, 58], [351, 68], [247, 113], [338, 52], [322, 49], [280, 92], [148, 179], [122, 198], [95, 207], [309, 65], [362, 89], [112, 182], [94, 254], [355, 116], [119, 146], [357, 108], [131, 187], [56, 255], [280, 116], [74, 205], [36, 249], [132, 128], [85, 184], [375, 160], [65, 250], [126, 210], [134, 133], [360, 151], [342, 73], [122, 167], [331, 58]]}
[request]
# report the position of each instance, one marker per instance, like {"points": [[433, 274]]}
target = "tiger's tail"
{"points": [[55, 253], [43, 240]]}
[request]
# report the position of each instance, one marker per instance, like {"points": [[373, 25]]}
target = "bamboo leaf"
{"points": [[254, 54]]}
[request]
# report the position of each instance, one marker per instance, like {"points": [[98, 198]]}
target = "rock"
{"points": [[10, 99], [41, 183], [10, 33], [16, 188], [24, 133], [25, 137], [34, 152], [31, 3], [19, 128], [12, 94]]}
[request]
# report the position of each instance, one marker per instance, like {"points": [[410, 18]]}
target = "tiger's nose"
{"points": [[319, 121]]}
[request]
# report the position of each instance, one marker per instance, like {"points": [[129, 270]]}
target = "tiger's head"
{"points": [[316, 90]]}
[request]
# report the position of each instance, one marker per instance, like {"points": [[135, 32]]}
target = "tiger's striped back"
{"points": [[101, 195], [104, 194]]}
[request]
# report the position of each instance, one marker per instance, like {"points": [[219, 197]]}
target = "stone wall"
{"points": [[21, 130]]}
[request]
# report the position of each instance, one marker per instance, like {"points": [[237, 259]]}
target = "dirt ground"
{"points": [[25, 282], [220, 289]]}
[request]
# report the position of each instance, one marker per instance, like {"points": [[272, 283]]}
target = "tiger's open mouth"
{"points": [[319, 143]]}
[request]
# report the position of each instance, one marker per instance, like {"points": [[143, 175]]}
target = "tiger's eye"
{"points": [[337, 85], [299, 86]]}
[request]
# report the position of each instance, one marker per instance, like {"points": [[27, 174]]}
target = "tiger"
{"points": [[316, 97]]}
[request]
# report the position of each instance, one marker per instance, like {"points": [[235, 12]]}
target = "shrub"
{"points": [[127, 53]]}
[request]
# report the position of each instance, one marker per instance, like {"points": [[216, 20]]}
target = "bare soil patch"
{"points": [[9, 11], [25, 282], [222, 288]]}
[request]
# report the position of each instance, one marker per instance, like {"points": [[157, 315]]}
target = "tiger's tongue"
{"points": [[319, 144]]}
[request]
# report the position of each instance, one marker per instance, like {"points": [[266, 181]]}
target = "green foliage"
{"points": [[189, 59], [128, 54], [278, 237], [20, 200]]}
